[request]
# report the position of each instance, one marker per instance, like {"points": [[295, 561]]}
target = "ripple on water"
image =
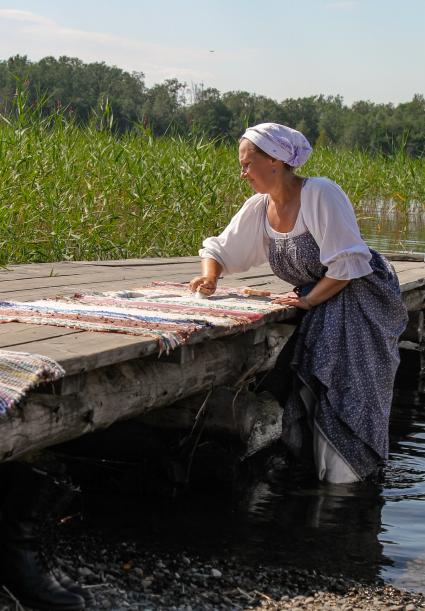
{"points": [[387, 227], [403, 534], [365, 531]]}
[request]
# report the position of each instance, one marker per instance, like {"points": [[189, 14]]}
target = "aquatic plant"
{"points": [[70, 192]]}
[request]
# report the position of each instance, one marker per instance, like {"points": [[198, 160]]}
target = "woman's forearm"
{"points": [[324, 290], [211, 268]]}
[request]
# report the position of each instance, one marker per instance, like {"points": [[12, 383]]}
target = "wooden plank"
{"points": [[67, 267], [413, 273], [48, 270], [148, 271], [84, 350], [43, 270], [143, 262], [94, 278], [118, 273], [34, 289], [62, 281], [92, 350], [404, 256], [407, 265], [15, 334], [105, 370], [42, 293], [409, 281], [258, 276]]}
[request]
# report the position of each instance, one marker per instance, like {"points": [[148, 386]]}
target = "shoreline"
{"points": [[122, 577]]}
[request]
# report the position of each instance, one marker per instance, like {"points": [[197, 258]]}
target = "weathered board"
{"points": [[97, 398]]}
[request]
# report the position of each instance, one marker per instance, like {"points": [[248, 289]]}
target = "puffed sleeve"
{"points": [[330, 218], [243, 243]]}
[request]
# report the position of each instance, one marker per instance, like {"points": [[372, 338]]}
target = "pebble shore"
{"points": [[123, 577], [126, 578]]}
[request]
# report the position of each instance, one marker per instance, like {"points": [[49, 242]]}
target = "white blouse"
{"points": [[325, 211]]}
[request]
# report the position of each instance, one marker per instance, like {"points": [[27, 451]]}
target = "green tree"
{"points": [[332, 113], [303, 114], [163, 107], [209, 114], [77, 87]]}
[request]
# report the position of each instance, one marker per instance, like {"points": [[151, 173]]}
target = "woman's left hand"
{"points": [[292, 299]]}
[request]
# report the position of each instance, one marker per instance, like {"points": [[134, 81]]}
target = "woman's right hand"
{"points": [[203, 284]]}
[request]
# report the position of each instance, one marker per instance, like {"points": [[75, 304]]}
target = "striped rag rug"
{"points": [[164, 311], [20, 372]]}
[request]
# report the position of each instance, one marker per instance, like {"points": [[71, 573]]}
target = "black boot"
{"points": [[72, 586], [22, 568]]}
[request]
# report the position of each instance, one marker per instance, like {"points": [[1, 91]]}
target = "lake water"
{"points": [[387, 228], [365, 531]]}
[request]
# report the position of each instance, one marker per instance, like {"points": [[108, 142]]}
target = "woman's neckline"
{"points": [[286, 233]]}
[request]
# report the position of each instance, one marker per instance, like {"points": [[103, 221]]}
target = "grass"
{"points": [[83, 193]]}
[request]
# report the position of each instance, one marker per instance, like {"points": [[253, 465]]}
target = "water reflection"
{"points": [[388, 227], [404, 494], [317, 526], [366, 531]]}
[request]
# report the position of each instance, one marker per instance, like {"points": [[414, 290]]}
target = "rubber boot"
{"points": [[23, 569]]}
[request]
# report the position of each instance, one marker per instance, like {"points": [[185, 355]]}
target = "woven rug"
{"points": [[20, 372], [164, 311]]}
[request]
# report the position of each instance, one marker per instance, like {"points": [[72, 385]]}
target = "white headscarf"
{"points": [[280, 142]]}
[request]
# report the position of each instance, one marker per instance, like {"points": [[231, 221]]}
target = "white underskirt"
{"points": [[330, 466]]}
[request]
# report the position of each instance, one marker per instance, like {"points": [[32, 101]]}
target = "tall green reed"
{"points": [[70, 192]]}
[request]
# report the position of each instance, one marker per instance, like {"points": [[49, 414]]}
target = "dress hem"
{"points": [[315, 422]]}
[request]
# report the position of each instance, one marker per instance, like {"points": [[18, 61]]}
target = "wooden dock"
{"points": [[111, 376]]}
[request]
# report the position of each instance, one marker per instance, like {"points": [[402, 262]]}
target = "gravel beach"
{"points": [[123, 577]]}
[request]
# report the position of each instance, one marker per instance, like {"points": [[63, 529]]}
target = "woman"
{"points": [[346, 349]]}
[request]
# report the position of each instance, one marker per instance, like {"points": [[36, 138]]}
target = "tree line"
{"points": [[86, 90]]}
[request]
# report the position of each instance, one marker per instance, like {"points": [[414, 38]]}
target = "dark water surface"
{"points": [[365, 531], [402, 531]]}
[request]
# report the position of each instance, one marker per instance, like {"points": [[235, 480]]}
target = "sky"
{"points": [[359, 49]]}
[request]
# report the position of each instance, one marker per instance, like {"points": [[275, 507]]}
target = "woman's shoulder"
{"points": [[254, 204], [256, 200], [322, 184], [323, 193]]}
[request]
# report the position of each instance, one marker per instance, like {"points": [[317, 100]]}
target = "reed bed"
{"points": [[83, 193]]}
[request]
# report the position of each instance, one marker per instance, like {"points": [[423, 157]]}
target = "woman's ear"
{"points": [[274, 164]]}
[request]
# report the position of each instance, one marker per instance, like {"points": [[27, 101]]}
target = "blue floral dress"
{"points": [[346, 354]]}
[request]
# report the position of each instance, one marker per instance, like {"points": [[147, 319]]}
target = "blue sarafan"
{"points": [[345, 359]]}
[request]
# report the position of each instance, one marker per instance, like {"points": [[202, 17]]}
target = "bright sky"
{"points": [[361, 49]]}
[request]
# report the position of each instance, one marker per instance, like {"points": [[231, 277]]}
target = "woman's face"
{"points": [[259, 170]]}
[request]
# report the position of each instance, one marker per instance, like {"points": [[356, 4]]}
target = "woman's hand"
{"points": [[322, 291], [292, 299], [203, 284], [207, 282]]}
